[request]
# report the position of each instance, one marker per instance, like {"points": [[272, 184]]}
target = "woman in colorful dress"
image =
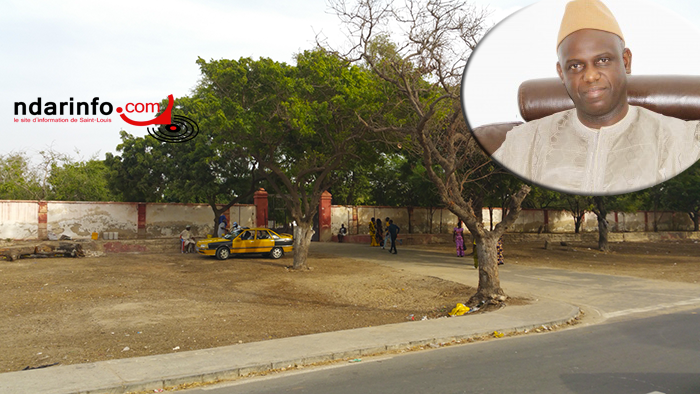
{"points": [[373, 233], [380, 232], [499, 250], [459, 239]]}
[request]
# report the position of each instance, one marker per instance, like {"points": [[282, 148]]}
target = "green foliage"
{"points": [[56, 177], [402, 181], [18, 180], [542, 198], [300, 123], [80, 181], [683, 191], [139, 173]]}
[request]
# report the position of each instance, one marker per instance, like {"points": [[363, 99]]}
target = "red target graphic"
{"points": [[169, 128]]}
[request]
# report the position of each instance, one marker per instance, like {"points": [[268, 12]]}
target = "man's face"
{"points": [[593, 65]]}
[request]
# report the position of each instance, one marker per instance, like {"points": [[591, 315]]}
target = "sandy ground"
{"points": [[677, 261], [77, 310]]}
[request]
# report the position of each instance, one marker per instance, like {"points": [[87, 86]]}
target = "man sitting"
{"points": [[187, 240], [342, 232]]}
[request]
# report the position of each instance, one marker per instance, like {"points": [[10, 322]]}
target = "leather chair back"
{"points": [[671, 95]]}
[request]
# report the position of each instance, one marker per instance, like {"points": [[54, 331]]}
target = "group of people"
{"points": [[188, 241], [223, 226], [458, 237], [380, 236]]}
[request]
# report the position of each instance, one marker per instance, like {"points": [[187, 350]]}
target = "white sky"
{"points": [[141, 51]]}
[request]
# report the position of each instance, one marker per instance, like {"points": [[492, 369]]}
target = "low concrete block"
{"points": [[255, 369]]}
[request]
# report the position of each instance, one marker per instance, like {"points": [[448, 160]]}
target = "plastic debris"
{"points": [[497, 334], [176, 348], [126, 349], [459, 310], [357, 360], [39, 367]]}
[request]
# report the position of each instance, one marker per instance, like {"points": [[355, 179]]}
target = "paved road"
{"points": [[600, 296], [658, 354]]}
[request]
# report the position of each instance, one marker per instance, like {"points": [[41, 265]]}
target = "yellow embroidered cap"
{"points": [[587, 14]]}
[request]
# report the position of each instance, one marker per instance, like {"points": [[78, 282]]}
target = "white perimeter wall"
{"points": [[19, 219], [81, 219], [168, 220]]}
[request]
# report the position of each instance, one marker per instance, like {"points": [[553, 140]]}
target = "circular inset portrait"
{"points": [[588, 97]]}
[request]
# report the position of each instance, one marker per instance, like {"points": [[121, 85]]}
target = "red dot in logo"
{"points": [[119, 109], [173, 127]]}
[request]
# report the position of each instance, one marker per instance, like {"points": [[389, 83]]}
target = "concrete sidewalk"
{"points": [[608, 296], [148, 373], [601, 296]]}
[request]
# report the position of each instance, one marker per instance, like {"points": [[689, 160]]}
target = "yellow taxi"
{"points": [[247, 241]]}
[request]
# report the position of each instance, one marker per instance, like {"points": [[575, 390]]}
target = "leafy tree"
{"points": [[202, 170], [56, 176], [80, 181], [682, 193], [578, 206], [139, 173], [542, 198], [354, 186], [299, 123], [402, 181], [18, 180], [423, 71]]}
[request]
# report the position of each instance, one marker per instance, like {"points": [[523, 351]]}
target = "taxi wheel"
{"points": [[276, 253], [223, 253]]}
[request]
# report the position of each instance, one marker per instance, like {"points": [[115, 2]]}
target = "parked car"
{"points": [[247, 241]]}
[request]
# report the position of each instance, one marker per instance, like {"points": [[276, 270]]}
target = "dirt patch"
{"points": [[677, 261], [66, 310]]}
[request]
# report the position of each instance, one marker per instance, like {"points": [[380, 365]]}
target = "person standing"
{"points": [[342, 232], [499, 250], [380, 233], [386, 233], [373, 233], [222, 230], [393, 233], [458, 238]]}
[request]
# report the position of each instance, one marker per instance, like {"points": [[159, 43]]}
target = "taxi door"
{"points": [[244, 243], [263, 241]]}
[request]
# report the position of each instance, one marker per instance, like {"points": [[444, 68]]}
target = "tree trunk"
{"points": [[601, 213], [577, 224], [489, 290], [694, 216], [579, 221], [302, 240], [478, 208], [603, 235]]}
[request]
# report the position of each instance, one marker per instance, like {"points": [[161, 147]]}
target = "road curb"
{"points": [[230, 362]]}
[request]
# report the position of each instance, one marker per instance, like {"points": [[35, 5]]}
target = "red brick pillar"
{"points": [[43, 232], [260, 201], [324, 218], [141, 229]]}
